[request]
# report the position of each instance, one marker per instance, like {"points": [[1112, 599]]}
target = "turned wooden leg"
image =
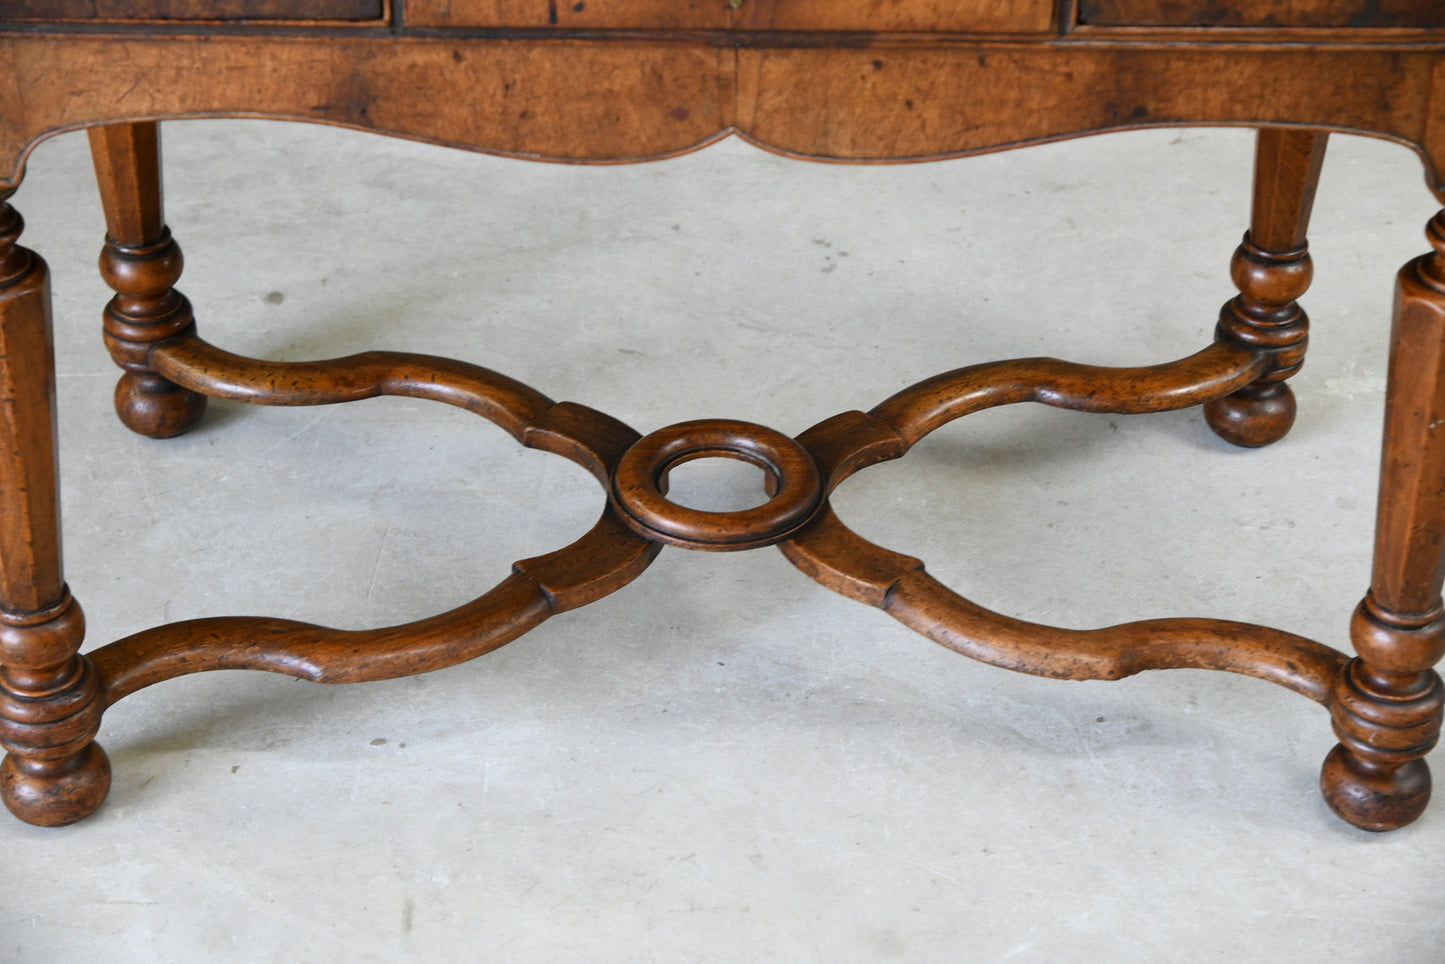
{"points": [[1387, 701], [50, 705], [1271, 268], [142, 263]]}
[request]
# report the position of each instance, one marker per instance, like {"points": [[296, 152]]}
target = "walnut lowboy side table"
{"points": [[621, 80]]}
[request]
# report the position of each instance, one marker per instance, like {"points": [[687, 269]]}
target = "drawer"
{"points": [[572, 14], [1263, 13], [927, 16], [958, 16], [152, 10]]}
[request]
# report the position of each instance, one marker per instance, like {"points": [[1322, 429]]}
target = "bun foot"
{"points": [[152, 406], [52, 793], [1253, 416], [1371, 796]]}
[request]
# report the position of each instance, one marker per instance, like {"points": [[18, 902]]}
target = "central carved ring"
{"points": [[639, 486]]}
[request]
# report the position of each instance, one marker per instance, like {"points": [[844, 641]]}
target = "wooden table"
{"points": [[625, 80]]}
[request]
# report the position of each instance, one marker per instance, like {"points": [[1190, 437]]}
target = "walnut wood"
{"points": [[1287, 166], [848, 442], [601, 562], [611, 555], [192, 9], [834, 103], [977, 16], [838, 558], [651, 14], [1410, 530], [30, 574], [934, 402], [190, 361], [1254, 13], [833, 555], [127, 160], [592, 439], [631, 99], [141, 263], [604, 560], [639, 486], [1272, 269], [584, 435], [1388, 702], [49, 696], [318, 653], [611, 80]]}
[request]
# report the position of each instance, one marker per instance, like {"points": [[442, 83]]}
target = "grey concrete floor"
{"points": [[723, 761]]}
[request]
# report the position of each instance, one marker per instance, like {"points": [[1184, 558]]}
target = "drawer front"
{"points": [[928, 16], [572, 14], [1263, 13], [958, 16], [152, 10]]}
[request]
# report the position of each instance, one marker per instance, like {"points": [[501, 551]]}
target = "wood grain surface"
{"points": [[624, 80], [1264, 13], [192, 9], [639, 98], [973, 16]]}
